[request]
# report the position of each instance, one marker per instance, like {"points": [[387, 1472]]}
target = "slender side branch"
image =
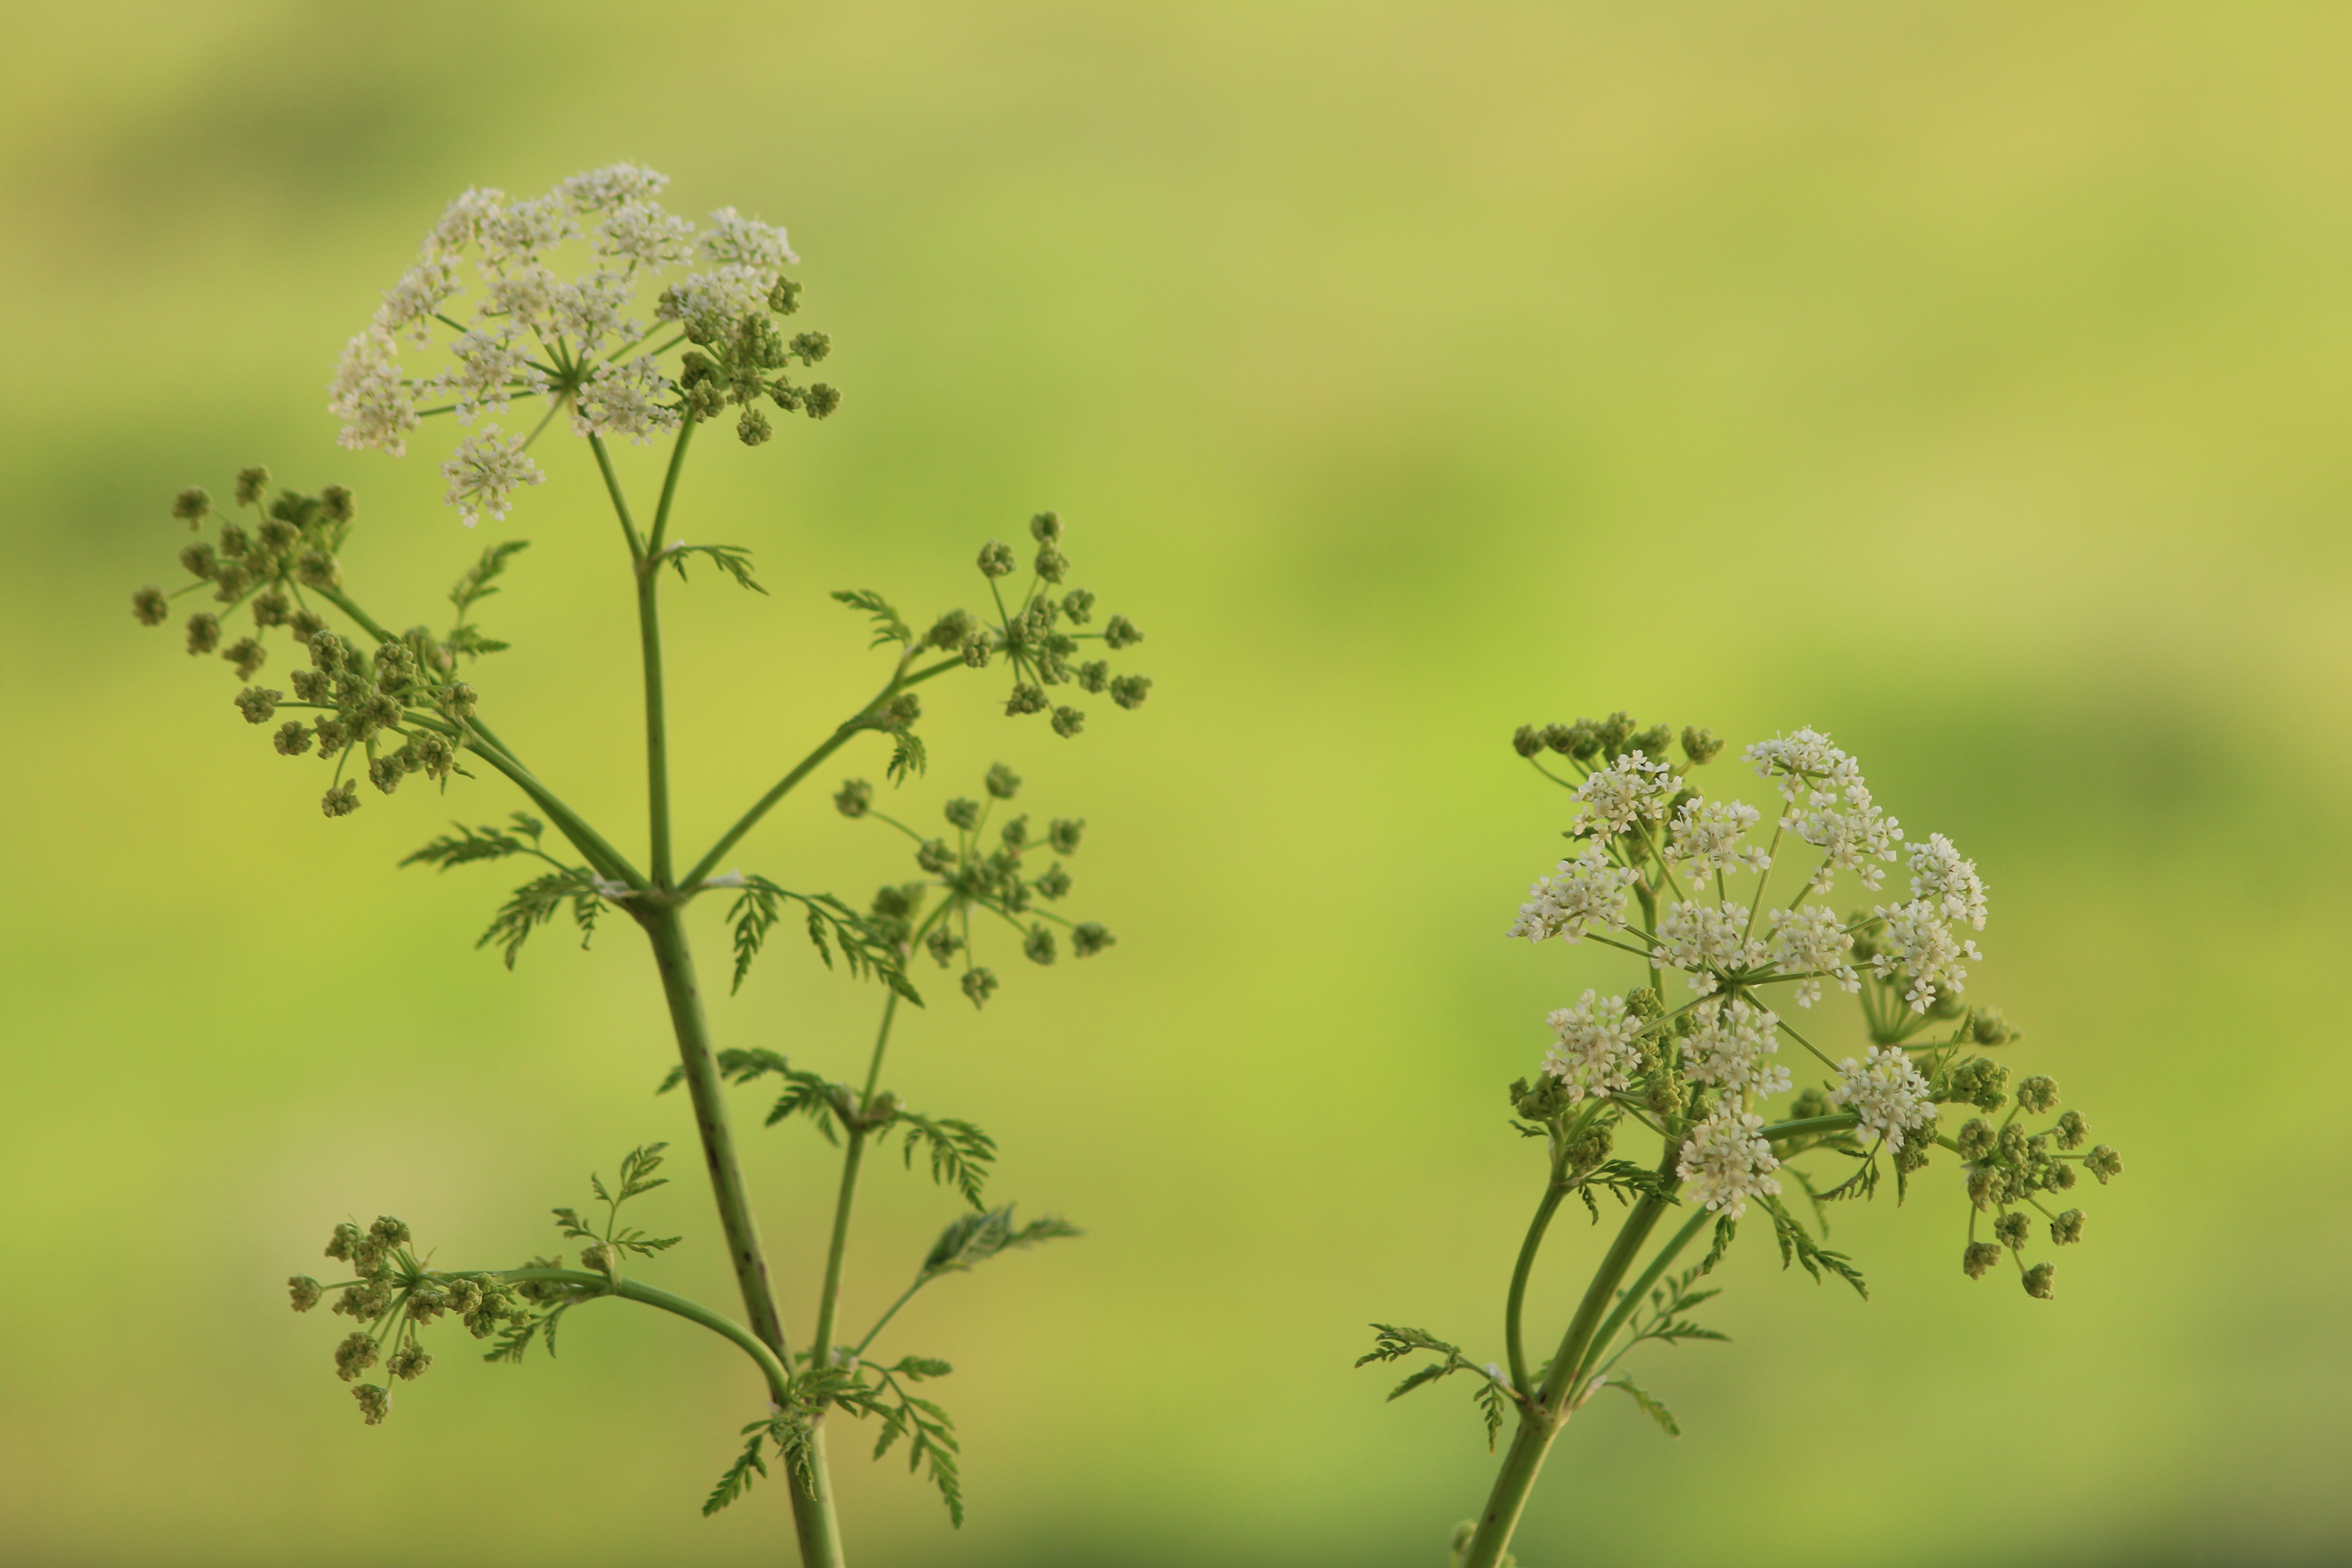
{"points": [[607, 860], [619, 501], [840, 738], [1514, 1341], [669, 486], [1632, 1298], [718, 1323]]}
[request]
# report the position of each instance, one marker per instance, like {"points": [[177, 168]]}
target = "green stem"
{"points": [[812, 1512], [829, 1304], [1632, 1300], [1514, 1344], [882, 1322], [669, 486], [656, 722], [366, 623], [840, 738], [779, 1379], [1536, 1429], [607, 860], [821, 1347], [619, 501], [882, 1041]]}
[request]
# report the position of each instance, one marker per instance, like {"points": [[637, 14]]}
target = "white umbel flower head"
{"points": [[1939, 876], [1802, 763], [734, 239], [1711, 836], [519, 233], [626, 400], [491, 368], [369, 396], [644, 235], [586, 311], [615, 185], [1849, 832], [1811, 940], [1635, 789], [1728, 1047], [729, 293], [1586, 891], [1727, 1161], [463, 220], [1916, 940], [1705, 940], [1886, 1093], [412, 304], [524, 295], [1594, 1054], [485, 471]]}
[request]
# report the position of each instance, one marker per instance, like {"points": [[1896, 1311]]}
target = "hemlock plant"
{"points": [[1693, 1060], [554, 281]]}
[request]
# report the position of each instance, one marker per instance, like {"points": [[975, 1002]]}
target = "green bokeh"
{"points": [[1967, 382]]}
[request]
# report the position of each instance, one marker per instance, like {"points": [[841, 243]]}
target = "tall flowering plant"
{"points": [[563, 307], [1734, 918]]}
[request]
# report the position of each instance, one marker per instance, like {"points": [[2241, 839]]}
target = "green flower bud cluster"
{"points": [[391, 712], [2009, 1166], [980, 872], [396, 1295], [1598, 743], [1038, 633], [739, 361]]}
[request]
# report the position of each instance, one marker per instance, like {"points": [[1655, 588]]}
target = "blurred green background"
{"points": [[1969, 382]]}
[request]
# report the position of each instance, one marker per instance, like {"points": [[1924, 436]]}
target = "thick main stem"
{"points": [[1538, 1429], [656, 722], [813, 1513], [814, 1519]]}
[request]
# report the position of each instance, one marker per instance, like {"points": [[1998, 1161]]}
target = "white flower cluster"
{"points": [[1711, 836], [1726, 1160], [1586, 889], [1941, 878], [748, 257], [1810, 940], [485, 471], [1594, 1053], [529, 317], [1728, 1047], [626, 400], [1829, 805], [1918, 940], [1706, 940], [1886, 1094], [369, 396], [1635, 789]]}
